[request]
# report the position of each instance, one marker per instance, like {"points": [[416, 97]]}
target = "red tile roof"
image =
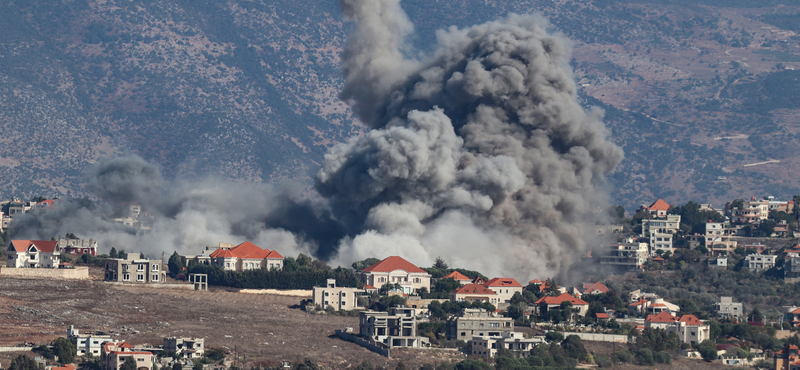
{"points": [[457, 276], [601, 315], [658, 259], [591, 287], [691, 320], [370, 287], [659, 205], [47, 246], [393, 263], [640, 302], [274, 254], [474, 289], [796, 311], [503, 282], [65, 367], [536, 282], [246, 250], [561, 298], [663, 316]]}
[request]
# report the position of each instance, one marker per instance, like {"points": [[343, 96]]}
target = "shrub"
{"points": [[603, 361]]}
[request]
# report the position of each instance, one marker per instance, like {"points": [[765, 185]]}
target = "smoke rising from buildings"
{"points": [[479, 153], [183, 215]]}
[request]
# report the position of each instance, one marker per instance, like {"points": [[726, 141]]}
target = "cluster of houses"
{"points": [[46, 253], [113, 352], [658, 230]]}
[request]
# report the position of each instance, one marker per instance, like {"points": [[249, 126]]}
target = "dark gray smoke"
{"points": [[480, 152]]}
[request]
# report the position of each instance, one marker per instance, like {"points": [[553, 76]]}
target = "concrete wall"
{"points": [[77, 273], [598, 337], [16, 349], [364, 343], [294, 293]]}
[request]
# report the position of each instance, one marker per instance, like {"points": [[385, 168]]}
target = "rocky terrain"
{"points": [[702, 95]]}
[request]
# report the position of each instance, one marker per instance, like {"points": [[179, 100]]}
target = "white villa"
{"points": [[33, 254], [396, 270]]}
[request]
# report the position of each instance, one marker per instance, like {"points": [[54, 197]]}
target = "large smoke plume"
{"points": [[479, 153]]}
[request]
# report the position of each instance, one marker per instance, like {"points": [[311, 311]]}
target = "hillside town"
{"points": [[539, 322]]}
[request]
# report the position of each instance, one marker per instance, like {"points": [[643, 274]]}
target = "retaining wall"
{"points": [[77, 273], [362, 342], [599, 337], [293, 293]]}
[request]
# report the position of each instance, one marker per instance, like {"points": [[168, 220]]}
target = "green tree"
{"points": [[65, 350], [360, 265], [304, 260], [440, 264], [113, 253], [365, 365], [401, 366], [573, 346], [129, 364], [554, 336], [23, 362], [175, 264], [708, 350]]}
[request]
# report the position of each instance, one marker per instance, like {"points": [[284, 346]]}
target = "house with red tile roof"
{"points": [[547, 303], [113, 355], [245, 256], [662, 320], [504, 287], [474, 293], [396, 270], [33, 254], [787, 358], [658, 208], [459, 277], [594, 288], [688, 327]]}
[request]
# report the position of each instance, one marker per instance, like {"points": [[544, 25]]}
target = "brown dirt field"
{"points": [[264, 328]]}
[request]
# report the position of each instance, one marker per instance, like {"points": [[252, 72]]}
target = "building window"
{"points": [[155, 277], [155, 267], [140, 277], [126, 277], [139, 267]]}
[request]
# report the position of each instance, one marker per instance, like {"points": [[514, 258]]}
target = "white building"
{"points": [[396, 270], [397, 328], [760, 262], [340, 298], [669, 224], [487, 347], [185, 347], [33, 254], [245, 256], [89, 343], [751, 212], [661, 242], [629, 255], [726, 307], [134, 269], [688, 327], [504, 287]]}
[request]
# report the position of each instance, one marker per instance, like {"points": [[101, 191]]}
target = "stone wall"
{"points": [[77, 273], [598, 337]]}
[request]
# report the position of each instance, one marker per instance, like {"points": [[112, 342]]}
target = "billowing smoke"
{"points": [[184, 215], [480, 152]]}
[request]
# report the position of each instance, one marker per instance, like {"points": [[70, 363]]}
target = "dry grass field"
{"points": [[263, 329]]}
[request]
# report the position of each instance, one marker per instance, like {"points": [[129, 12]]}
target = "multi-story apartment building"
{"points": [[668, 224], [134, 269], [751, 212], [339, 298], [397, 328], [88, 343], [760, 262], [629, 255], [515, 342], [477, 322], [726, 307]]}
